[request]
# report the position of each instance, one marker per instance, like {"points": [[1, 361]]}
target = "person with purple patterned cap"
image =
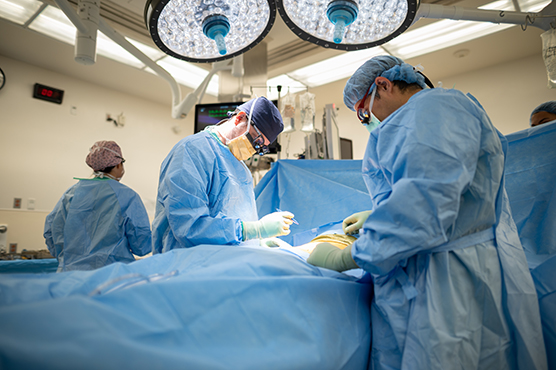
{"points": [[205, 190], [98, 221]]}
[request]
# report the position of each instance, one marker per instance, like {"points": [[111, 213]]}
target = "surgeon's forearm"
{"points": [[331, 257], [208, 230]]}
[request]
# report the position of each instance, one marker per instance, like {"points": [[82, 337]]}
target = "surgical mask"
{"points": [[373, 124], [241, 146]]}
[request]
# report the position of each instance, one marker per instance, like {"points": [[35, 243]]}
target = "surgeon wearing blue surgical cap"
{"points": [[451, 283], [544, 113], [205, 190]]}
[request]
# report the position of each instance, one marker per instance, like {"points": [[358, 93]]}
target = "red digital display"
{"points": [[48, 93]]}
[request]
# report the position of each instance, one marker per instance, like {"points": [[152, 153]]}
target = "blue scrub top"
{"points": [[97, 222], [452, 287], [204, 193]]}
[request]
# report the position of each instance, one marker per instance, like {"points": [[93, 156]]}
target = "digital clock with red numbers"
{"points": [[48, 93]]}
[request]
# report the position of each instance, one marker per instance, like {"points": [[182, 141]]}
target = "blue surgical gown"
{"points": [[97, 222], [204, 193], [452, 286]]}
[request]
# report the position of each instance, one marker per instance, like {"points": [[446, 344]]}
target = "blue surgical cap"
{"points": [[266, 117], [549, 106], [386, 66]]}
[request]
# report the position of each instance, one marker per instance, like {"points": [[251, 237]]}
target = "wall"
{"points": [[43, 145], [508, 92], [24, 228]]}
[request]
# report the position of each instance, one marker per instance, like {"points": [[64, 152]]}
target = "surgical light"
{"points": [[207, 31], [341, 13], [362, 24], [325, 22], [490, 18]]}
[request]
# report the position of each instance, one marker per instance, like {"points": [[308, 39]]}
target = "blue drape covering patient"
{"points": [[98, 221], [210, 308]]}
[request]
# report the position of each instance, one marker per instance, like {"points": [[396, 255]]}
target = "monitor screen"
{"points": [[211, 114], [346, 148]]}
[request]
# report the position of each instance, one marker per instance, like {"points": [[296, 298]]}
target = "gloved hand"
{"points": [[331, 257], [274, 224], [353, 223], [271, 242]]}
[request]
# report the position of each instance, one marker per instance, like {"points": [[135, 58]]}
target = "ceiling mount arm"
{"points": [[192, 98], [86, 21], [130, 48], [72, 15], [120, 40], [483, 15]]}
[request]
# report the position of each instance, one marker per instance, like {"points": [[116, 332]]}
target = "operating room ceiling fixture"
{"points": [[362, 24], [213, 30], [348, 24], [208, 30]]}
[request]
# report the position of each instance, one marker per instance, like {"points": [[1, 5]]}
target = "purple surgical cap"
{"points": [[392, 68], [266, 117], [104, 154]]}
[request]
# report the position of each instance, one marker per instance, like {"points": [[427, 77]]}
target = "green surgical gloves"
{"points": [[331, 257], [353, 223], [274, 224]]}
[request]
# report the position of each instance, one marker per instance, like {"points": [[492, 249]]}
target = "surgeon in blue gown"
{"points": [[98, 221], [452, 286], [205, 191]]}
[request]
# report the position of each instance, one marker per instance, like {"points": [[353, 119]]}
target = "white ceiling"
{"points": [[31, 47]]}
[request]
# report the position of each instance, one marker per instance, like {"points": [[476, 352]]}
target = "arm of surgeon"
{"points": [[331, 257]]}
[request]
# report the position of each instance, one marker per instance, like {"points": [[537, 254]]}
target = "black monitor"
{"points": [[211, 114], [346, 148]]}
